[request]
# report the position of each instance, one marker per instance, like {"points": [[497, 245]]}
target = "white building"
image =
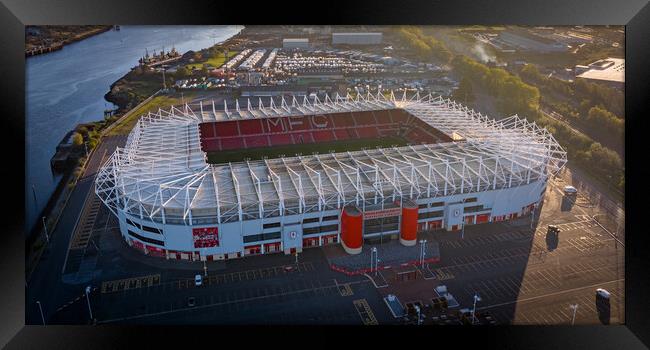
{"points": [[356, 38], [610, 71], [171, 203], [298, 43]]}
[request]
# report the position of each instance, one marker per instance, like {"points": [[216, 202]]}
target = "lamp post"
{"points": [[373, 258], [532, 219], [41, 310], [573, 307], [462, 233], [47, 236], [423, 243], [476, 298], [163, 76], [90, 311], [205, 266]]}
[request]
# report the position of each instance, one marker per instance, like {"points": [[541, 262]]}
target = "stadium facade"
{"points": [[460, 168]]}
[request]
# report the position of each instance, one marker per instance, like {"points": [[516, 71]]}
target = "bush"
{"points": [[77, 139], [182, 72], [513, 95], [83, 130], [77, 172], [465, 92], [426, 46]]}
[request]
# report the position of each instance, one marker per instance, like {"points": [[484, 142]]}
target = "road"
{"points": [[521, 275], [48, 273]]}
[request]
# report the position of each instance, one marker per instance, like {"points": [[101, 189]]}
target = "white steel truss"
{"points": [[162, 175]]}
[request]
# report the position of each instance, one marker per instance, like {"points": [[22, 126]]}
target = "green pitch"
{"points": [[218, 157]]}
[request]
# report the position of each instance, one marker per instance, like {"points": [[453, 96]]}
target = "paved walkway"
{"points": [[45, 282], [390, 253]]}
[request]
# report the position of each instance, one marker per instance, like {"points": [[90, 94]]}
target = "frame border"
{"points": [[634, 14]]}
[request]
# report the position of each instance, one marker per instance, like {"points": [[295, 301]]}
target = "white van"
{"points": [[570, 190]]}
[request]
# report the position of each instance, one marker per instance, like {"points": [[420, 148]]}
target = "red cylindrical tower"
{"points": [[352, 229], [409, 227]]}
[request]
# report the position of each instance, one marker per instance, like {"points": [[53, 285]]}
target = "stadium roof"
{"points": [[162, 174]]}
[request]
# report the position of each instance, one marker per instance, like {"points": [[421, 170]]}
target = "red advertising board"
{"points": [[155, 251], [138, 244], [205, 237]]}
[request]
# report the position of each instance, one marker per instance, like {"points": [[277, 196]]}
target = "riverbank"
{"points": [[44, 39], [67, 88], [139, 83]]}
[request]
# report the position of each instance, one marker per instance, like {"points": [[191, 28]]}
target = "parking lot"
{"points": [[282, 300], [524, 277], [521, 275]]}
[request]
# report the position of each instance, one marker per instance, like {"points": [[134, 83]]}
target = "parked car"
{"points": [[553, 230], [570, 190], [603, 306], [198, 280], [602, 293]]}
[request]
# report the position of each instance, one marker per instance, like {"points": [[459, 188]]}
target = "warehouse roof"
{"points": [[609, 69]]}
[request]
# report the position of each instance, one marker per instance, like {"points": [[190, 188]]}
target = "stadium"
{"points": [[208, 183]]}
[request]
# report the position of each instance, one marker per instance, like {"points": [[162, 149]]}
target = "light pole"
{"points": [[296, 258], [423, 243], [532, 219], [462, 233], [373, 253], [164, 82], [476, 298], [574, 307], [90, 311], [205, 266], [41, 309], [47, 236]]}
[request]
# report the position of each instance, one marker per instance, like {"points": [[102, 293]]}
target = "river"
{"points": [[67, 87]]}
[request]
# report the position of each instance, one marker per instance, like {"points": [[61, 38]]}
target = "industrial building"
{"points": [[459, 168], [522, 40], [356, 38], [610, 71], [300, 43]]}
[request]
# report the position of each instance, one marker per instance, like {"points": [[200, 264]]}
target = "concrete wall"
{"points": [[356, 38], [295, 44], [179, 237]]}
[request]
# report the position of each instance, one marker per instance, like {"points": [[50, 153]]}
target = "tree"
{"points": [[182, 72], [464, 93], [77, 139], [83, 131]]}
